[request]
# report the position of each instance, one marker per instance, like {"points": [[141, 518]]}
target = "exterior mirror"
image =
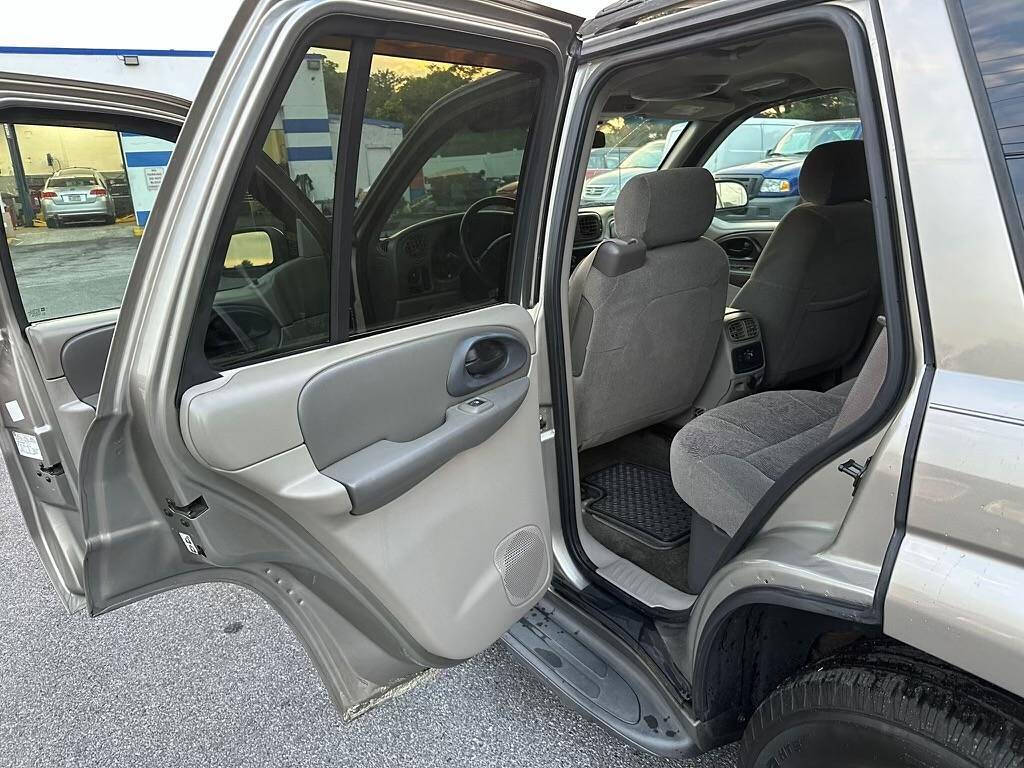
{"points": [[255, 247], [730, 195], [599, 140]]}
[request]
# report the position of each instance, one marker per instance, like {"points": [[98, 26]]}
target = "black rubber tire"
{"points": [[110, 220], [886, 708]]}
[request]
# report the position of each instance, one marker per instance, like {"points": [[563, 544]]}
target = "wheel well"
{"points": [[751, 651]]}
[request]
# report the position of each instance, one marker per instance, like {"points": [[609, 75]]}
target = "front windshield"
{"points": [[648, 156], [634, 144], [800, 140]]}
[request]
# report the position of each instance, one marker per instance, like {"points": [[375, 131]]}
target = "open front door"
{"points": [[66, 250], [321, 383]]}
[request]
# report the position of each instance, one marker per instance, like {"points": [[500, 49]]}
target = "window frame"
{"points": [[363, 33]]}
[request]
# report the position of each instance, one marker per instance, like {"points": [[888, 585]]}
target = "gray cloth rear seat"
{"points": [[725, 460]]}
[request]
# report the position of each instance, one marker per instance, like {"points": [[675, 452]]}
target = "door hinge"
{"points": [[856, 470]]}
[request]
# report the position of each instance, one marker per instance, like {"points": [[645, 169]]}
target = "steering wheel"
{"points": [[476, 263]]}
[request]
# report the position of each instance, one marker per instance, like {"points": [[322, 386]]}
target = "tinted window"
{"points": [[70, 181], [438, 134], [996, 29], [273, 289], [455, 133]]}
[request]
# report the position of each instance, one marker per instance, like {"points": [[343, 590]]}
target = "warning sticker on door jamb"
{"points": [[27, 445]]}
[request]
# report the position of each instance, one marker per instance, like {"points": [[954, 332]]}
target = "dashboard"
{"points": [[742, 241]]}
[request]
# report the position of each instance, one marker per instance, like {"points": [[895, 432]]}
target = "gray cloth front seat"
{"points": [[726, 459], [815, 287], [646, 309]]}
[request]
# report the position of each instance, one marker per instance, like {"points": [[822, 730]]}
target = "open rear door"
{"points": [[321, 384]]}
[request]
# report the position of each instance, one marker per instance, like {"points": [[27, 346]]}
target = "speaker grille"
{"points": [[521, 559]]}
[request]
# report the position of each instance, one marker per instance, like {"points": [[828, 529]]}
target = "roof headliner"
{"points": [[720, 81]]}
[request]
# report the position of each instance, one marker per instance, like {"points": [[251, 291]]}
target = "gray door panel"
{"points": [[48, 338], [71, 353], [382, 422], [370, 427], [83, 359]]}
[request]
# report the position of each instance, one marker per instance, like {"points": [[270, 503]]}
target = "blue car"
{"points": [[773, 184]]}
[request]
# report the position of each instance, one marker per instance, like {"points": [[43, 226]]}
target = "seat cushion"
{"points": [[726, 459]]}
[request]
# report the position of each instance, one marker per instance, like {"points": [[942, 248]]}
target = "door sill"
{"points": [[599, 674]]}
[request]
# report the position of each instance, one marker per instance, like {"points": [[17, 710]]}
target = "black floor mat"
{"points": [[639, 501]]}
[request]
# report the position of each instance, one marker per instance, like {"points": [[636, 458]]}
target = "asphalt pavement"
{"points": [[74, 269], [211, 676]]}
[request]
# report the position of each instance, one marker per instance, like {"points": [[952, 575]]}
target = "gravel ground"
{"points": [[211, 676]]}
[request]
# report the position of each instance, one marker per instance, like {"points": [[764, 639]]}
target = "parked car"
{"points": [[749, 141], [603, 188], [721, 481], [77, 195], [773, 184], [605, 159]]}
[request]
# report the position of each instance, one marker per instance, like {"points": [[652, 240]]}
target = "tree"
{"points": [[334, 85], [634, 130], [410, 97], [381, 91], [829, 106]]}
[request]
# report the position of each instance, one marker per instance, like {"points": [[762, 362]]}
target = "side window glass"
{"points": [[444, 144], [273, 290], [443, 141], [770, 171], [996, 29], [75, 202]]}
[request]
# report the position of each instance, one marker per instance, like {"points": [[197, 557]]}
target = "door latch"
{"points": [[49, 473], [854, 469], [179, 519]]}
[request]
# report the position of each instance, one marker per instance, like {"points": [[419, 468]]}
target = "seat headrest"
{"points": [[663, 207], [835, 173]]}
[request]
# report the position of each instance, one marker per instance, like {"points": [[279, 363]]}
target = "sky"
{"points": [[155, 24]]}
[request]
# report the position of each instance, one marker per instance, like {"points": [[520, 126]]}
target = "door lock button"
{"points": [[476, 405]]}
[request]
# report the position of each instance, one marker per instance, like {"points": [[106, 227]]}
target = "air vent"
{"points": [[589, 228], [743, 329]]}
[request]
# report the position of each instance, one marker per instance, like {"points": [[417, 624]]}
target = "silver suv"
{"points": [[710, 479]]}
